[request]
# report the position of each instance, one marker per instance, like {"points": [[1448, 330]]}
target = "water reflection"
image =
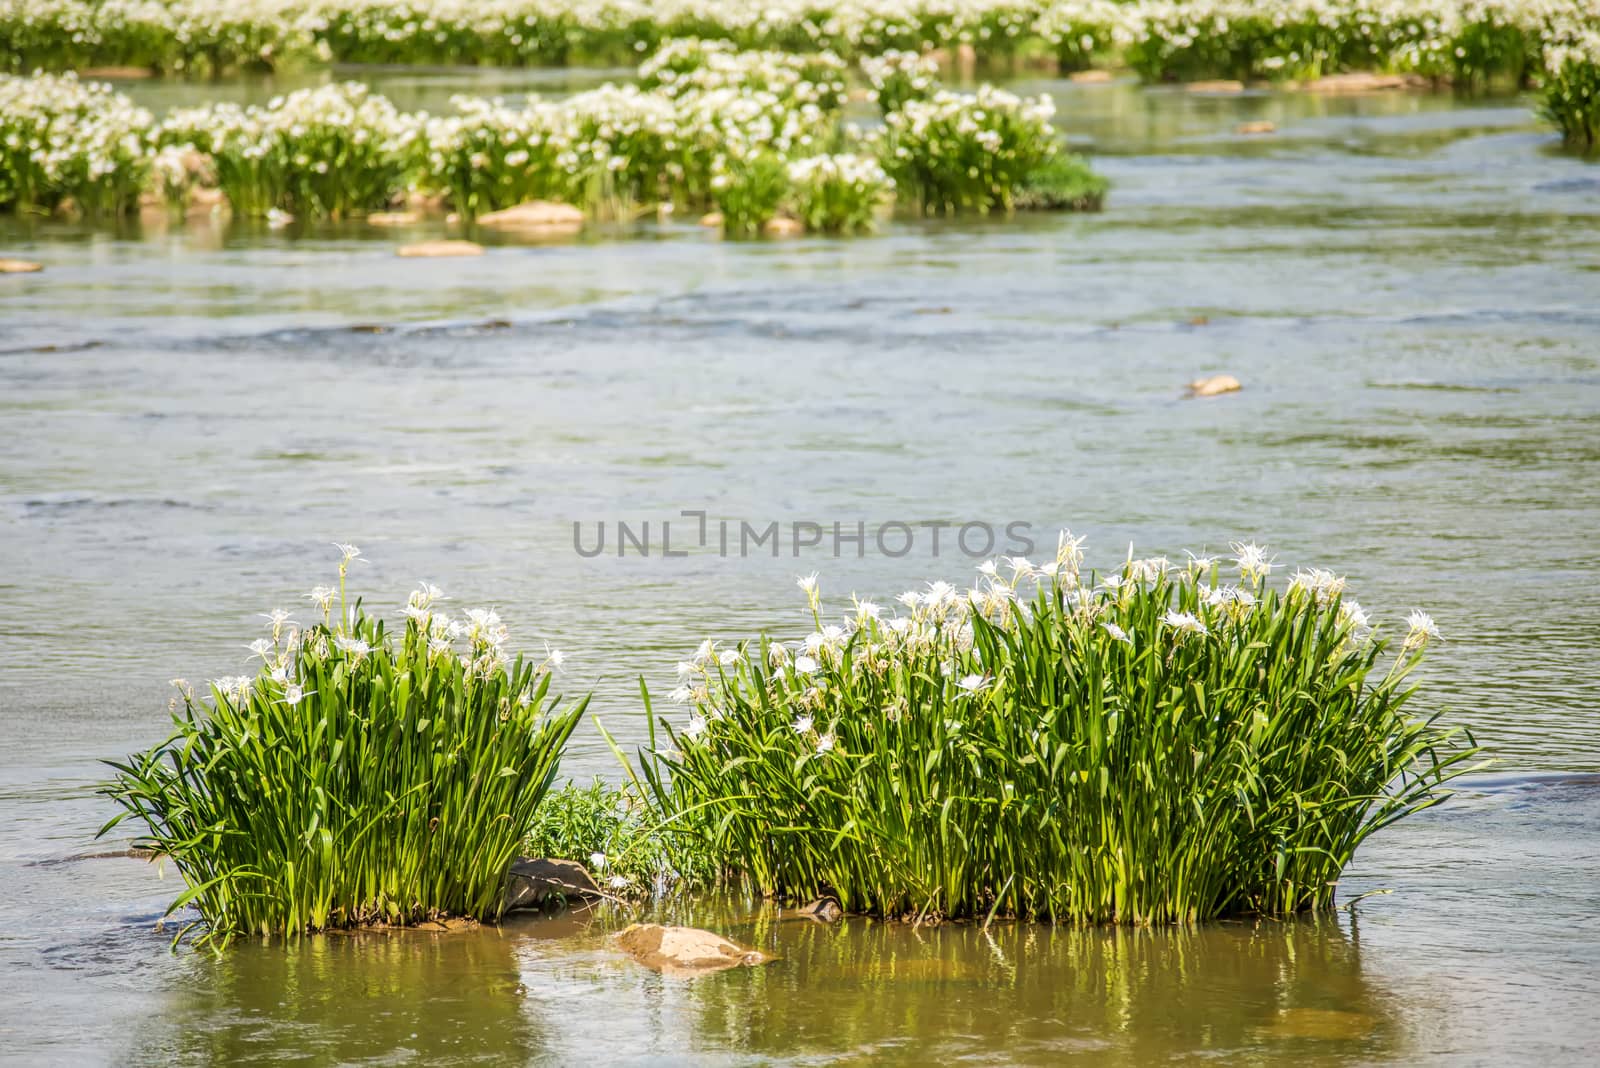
{"points": [[347, 999]]}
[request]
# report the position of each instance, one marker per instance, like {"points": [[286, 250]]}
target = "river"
{"points": [[1407, 285]]}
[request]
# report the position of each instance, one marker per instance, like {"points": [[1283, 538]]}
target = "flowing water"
{"points": [[1408, 286]]}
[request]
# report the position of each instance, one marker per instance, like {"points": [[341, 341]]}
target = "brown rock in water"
{"points": [[1214, 385], [535, 882], [433, 249], [1249, 128], [535, 215], [426, 203], [711, 218], [203, 200], [1215, 86], [822, 910], [394, 218], [783, 226], [116, 73], [1090, 77], [684, 950], [1364, 83], [19, 266]]}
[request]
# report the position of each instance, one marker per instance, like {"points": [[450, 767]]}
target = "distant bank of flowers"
{"points": [[751, 134], [1470, 42]]}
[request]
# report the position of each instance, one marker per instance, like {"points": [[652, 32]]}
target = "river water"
{"points": [[1408, 286]]}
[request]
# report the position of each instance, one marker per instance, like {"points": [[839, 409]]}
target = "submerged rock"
{"points": [[1090, 77], [204, 200], [536, 882], [1250, 128], [1217, 85], [822, 910], [394, 218], [711, 218], [535, 215], [440, 248], [19, 266], [1214, 385], [685, 950], [783, 226], [1364, 83]]}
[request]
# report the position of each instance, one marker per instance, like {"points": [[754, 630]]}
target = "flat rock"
{"points": [[1090, 77], [534, 882], [684, 950], [431, 249], [394, 218], [822, 910], [19, 266], [1219, 85], [535, 215], [204, 200], [118, 73], [1214, 385], [711, 218], [1364, 83], [1262, 127], [783, 226]]}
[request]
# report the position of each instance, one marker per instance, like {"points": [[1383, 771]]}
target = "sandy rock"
{"points": [[1090, 77], [1214, 385], [684, 950], [116, 73], [535, 215], [535, 882], [394, 218], [203, 200], [1215, 86], [711, 218], [434, 249], [1364, 83], [1326, 1024], [19, 266], [426, 203], [783, 226], [1251, 128]]}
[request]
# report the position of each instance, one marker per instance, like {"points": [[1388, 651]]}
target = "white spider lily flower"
{"points": [[696, 727], [1252, 559], [729, 657], [597, 861], [802, 725], [293, 694], [681, 696], [825, 743], [356, 647], [1184, 622], [989, 568], [973, 683], [554, 657], [618, 882], [261, 647], [322, 597], [808, 583], [347, 553], [1116, 633], [805, 665], [1421, 629]]}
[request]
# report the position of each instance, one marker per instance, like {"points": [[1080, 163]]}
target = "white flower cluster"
{"points": [[937, 621], [60, 136], [693, 65], [186, 33]]}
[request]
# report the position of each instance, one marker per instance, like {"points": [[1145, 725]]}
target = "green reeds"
{"points": [[361, 777], [1153, 748]]}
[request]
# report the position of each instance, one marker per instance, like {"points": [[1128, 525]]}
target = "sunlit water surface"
{"points": [[1408, 286]]}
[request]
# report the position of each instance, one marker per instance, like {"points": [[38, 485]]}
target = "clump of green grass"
{"points": [[359, 777], [1571, 99], [1149, 747], [1064, 182], [619, 836]]}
